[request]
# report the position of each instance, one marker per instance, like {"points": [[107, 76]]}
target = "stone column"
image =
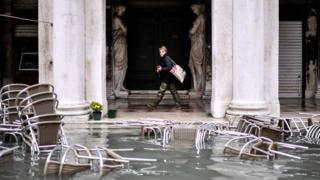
{"points": [[248, 58], [45, 13], [69, 55], [221, 97], [96, 51], [271, 61]]}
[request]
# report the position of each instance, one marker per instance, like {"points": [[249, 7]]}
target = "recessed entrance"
{"points": [[151, 25]]}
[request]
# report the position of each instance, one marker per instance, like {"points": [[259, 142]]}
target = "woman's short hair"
{"points": [[163, 48]]}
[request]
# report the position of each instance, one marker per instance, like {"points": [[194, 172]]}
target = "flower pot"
{"points": [[112, 113], [96, 115]]}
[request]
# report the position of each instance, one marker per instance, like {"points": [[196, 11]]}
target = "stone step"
{"points": [[151, 94]]}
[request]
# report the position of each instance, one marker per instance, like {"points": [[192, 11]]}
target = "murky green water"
{"points": [[179, 161]]}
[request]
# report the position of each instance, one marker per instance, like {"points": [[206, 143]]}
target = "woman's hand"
{"points": [[159, 68], [173, 70]]}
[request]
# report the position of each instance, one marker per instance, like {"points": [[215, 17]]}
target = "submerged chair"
{"points": [[278, 127], [61, 166], [7, 150], [312, 136], [109, 160], [78, 158], [258, 148]]}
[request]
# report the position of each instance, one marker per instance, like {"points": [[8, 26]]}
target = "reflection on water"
{"points": [[178, 161]]}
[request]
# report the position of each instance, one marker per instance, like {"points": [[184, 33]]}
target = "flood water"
{"points": [[178, 161]]}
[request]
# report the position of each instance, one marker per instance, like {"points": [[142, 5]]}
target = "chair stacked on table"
{"points": [[36, 115]]}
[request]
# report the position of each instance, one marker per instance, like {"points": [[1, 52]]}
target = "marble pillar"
{"points": [[45, 13], [221, 97], [95, 62], [271, 56], [69, 55], [248, 58]]}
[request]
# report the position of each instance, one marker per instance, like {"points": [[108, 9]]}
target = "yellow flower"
{"points": [[96, 106]]}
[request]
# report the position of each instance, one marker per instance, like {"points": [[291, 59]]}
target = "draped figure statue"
{"points": [[197, 52], [119, 49], [312, 77]]}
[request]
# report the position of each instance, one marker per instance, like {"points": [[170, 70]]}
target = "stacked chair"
{"points": [[30, 113], [258, 148], [9, 115], [41, 125], [8, 96]]}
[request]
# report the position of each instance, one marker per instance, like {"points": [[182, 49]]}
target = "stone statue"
{"points": [[312, 24], [311, 77], [197, 52], [119, 49]]}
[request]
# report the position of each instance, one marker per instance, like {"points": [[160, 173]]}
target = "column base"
{"points": [[74, 109], [248, 108]]}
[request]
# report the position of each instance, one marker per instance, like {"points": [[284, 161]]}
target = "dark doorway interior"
{"points": [[148, 29]]}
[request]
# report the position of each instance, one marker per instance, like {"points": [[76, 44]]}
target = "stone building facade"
{"points": [[242, 64]]}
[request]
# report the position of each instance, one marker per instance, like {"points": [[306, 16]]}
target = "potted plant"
{"points": [[96, 110]]}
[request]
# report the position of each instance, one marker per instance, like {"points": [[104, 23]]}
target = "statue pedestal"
{"points": [[195, 95], [208, 90], [309, 94], [122, 94]]}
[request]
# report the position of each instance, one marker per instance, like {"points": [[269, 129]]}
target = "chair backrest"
{"points": [[313, 131], [240, 124], [11, 87], [271, 133], [9, 94], [37, 88], [42, 95], [10, 102], [48, 133], [48, 126], [35, 97], [12, 114], [44, 106], [49, 117]]}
